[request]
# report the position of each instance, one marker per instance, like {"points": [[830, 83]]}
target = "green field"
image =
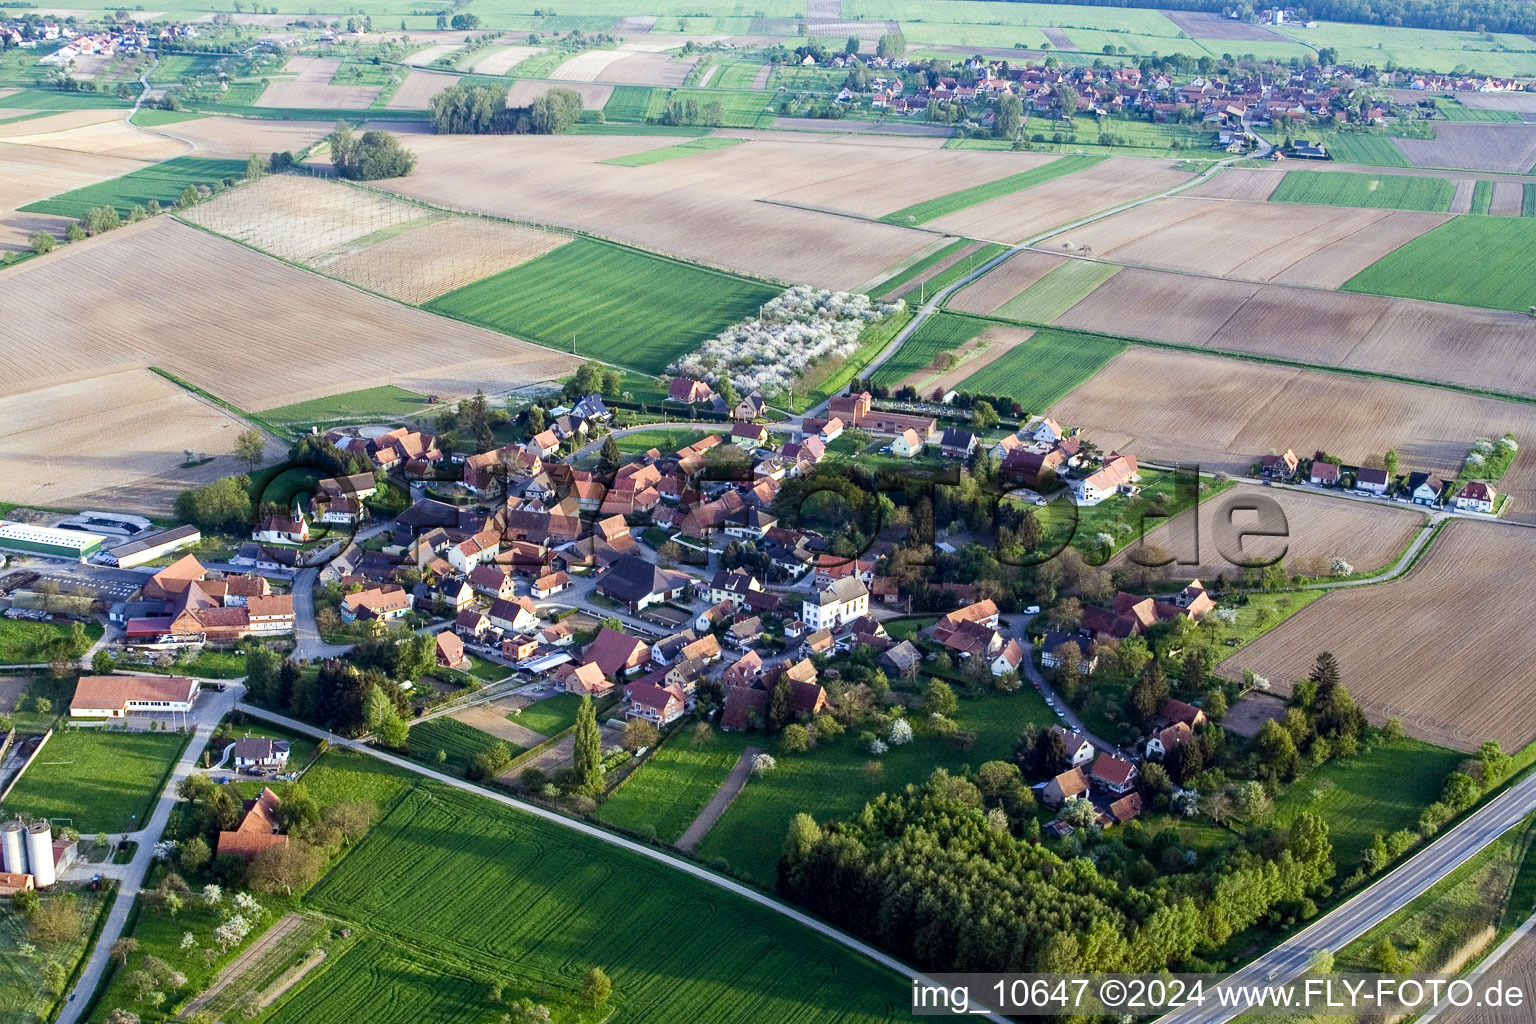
{"points": [[458, 741], [1528, 200], [942, 332], [53, 99], [1056, 292], [1457, 112], [915, 268], [1492, 53], [1377, 792], [621, 305], [1038, 372], [150, 117], [551, 715], [1384, 191], [921, 213], [100, 781], [938, 282], [1443, 264], [163, 183], [1363, 148], [835, 780], [738, 109], [682, 149], [23, 642], [673, 786], [1482, 196], [387, 402], [435, 948]]}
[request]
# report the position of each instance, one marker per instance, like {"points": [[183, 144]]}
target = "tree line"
{"points": [[482, 110]]}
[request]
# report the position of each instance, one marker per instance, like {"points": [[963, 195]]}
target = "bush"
{"points": [[42, 242], [369, 157]]}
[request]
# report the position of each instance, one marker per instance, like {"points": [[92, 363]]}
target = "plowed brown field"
{"points": [[996, 287], [914, 177], [1433, 648]]}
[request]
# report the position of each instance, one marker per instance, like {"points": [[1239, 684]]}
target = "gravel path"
{"points": [[720, 802]]}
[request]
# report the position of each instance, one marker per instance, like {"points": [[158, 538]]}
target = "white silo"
{"points": [[40, 853], [13, 850]]}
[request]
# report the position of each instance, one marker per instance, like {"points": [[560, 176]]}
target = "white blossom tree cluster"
{"points": [[797, 329]]}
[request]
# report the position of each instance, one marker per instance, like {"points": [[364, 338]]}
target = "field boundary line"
{"points": [[826, 211], [204, 395], [591, 831]]}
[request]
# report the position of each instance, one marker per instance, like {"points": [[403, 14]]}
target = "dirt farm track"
{"points": [[1432, 648]]}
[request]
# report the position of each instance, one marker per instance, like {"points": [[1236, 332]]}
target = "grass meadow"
{"points": [[1038, 372], [1444, 264], [1384, 191], [24, 642], [672, 787], [387, 402], [551, 715], [162, 183], [921, 213], [100, 781], [618, 304]]}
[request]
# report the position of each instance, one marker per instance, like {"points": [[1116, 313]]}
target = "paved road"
{"points": [[308, 644], [600, 835], [1069, 718], [210, 709], [1375, 904]]}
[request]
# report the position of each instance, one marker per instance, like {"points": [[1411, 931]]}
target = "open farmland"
{"points": [[1319, 528], [162, 183], [942, 332], [114, 138], [702, 209], [312, 88], [100, 781], [1376, 191], [984, 349], [1253, 183], [1057, 292], [501, 59], [911, 177], [416, 92], [1013, 218], [48, 433], [579, 904], [1226, 413], [1424, 675], [1442, 265], [674, 785], [1015, 275], [1476, 147], [683, 149], [1038, 371], [1418, 340], [246, 310], [594, 96], [233, 138], [459, 743], [953, 202], [1316, 246], [29, 174], [395, 248], [641, 311]]}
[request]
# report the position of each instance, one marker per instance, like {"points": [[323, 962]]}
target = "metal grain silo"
{"points": [[13, 850], [40, 853]]}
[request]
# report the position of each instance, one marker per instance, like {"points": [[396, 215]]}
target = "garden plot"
{"points": [[847, 185], [1320, 528], [49, 437], [503, 59], [246, 310], [1423, 676], [981, 351], [1016, 217], [1474, 146], [416, 92], [702, 209], [1319, 246], [1225, 414]]}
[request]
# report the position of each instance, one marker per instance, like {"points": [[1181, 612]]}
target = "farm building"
{"points": [[43, 540], [147, 549], [117, 696]]}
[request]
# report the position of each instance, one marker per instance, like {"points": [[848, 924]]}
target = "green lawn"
{"points": [[1376, 191], [435, 948], [1365, 148], [162, 182], [838, 778], [682, 149], [1471, 261], [458, 741], [100, 781], [619, 304], [23, 642], [551, 715], [940, 206], [1056, 292], [1377, 792], [1038, 372], [672, 787], [664, 439], [204, 664], [387, 402]]}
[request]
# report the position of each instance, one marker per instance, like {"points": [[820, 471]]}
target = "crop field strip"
{"points": [[1056, 292], [682, 149], [1443, 266], [1038, 372], [1416, 678], [460, 742], [954, 202], [1170, 406], [944, 249], [162, 183], [1482, 197], [942, 332], [579, 903], [1386, 191]]}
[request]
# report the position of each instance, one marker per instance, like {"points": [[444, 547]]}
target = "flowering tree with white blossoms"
{"points": [[799, 328]]}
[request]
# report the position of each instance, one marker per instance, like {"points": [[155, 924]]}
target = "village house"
{"points": [[1371, 481], [493, 581], [514, 615], [1118, 475], [382, 602], [1476, 496], [689, 391], [256, 829], [1112, 774], [587, 679], [1071, 783], [258, 754], [120, 696], [548, 586], [1324, 474], [450, 651], [1079, 750], [839, 602], [1425, 489], [661, 705], [617, 654], [1280, 467], [1049, 653], [637, 584], [957, 444], [732, 585], [907, 444], [471, 624]]}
